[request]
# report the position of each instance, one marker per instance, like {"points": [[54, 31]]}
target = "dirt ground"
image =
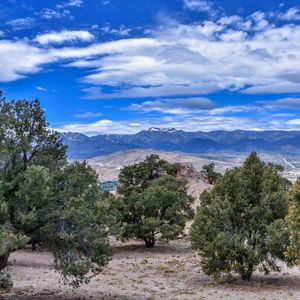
{"points": [[169, 271]]}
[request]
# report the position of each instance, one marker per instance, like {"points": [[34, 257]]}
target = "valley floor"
{"points": [[169, 271]]}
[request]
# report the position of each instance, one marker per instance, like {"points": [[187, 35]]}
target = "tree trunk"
{"points": [[246, 276], [33, 246], [3, 261], [150, 243], [246, 273]]}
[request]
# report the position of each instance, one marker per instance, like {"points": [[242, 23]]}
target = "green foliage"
{"points": [[293, 220], [45, 200], [209, 175], [26, 138], [239, 225], [152, 201], [6, 282], [9, 240], [76, 231], [139, 176], [32, 201]]}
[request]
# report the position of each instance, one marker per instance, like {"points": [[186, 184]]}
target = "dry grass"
{"points": [[169, 271]]}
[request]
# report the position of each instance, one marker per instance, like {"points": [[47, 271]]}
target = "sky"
{"points": [[121, 66]]}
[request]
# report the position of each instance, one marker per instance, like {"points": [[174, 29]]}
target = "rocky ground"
{"points": [[169, 271]]}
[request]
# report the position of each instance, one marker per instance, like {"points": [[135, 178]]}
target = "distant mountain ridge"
{"points": [[81, 146]]}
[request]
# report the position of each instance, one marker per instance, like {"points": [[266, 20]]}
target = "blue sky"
{"points": [[118, 66]]}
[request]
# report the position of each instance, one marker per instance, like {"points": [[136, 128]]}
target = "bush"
{"points": [[239, 225], [6, 282]]}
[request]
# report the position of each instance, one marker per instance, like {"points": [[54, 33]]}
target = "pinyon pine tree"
{"points": [[209, 174], [44, 200], [240, 225], [152, 201]]}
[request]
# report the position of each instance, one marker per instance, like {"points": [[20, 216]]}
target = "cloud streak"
{"points": [[64, 36], [200, 6]]}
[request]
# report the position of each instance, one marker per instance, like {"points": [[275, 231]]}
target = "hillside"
{"points": [[108, 166], [274, 142]]}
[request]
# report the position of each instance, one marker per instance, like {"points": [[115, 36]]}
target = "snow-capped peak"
{"points": [[162, 129]]}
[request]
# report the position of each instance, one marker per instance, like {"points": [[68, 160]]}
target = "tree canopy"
{"points": [[44, 199], [153, 201], [209, 174], [240, 225]]}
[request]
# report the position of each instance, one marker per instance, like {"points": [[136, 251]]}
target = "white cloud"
{"points": [[61, 10], [235, 109], [64, 36], [102, 126], [18, 59], [70, 3], [198, 59], [227, 20], [292, 14], [34, 57], [194, 106], [278, 87], [258, 16], [88, 115], [40, 88], [76, 3], [178, 60], [293, 103], [153, 92], [178, 106], [49, 13], [206, 123], [22, 23], [294, 122], [187, 123], [121, 31], [200, 6]]}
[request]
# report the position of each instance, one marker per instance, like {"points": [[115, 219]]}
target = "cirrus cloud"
{"points": [[64, 36]]}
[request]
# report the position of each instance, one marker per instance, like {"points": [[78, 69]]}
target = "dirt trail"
{"points": [[170, 271]]}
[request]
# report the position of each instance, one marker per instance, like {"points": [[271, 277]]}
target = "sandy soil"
{"points": [[169, 271]]}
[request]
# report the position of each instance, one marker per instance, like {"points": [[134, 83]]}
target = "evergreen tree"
{"points": [[152, 201], [293, 220], [45, 200], [76, 230], [209, 174], [239, 225], [9, 240]]}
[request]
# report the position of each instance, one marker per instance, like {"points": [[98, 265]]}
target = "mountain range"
{"points": [[81, 146]]}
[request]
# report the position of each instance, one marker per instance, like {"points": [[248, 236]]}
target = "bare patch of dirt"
{"points": [[169, 271]]}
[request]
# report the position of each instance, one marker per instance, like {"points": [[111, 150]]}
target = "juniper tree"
{"points": [[44, 199], [76, 230], [239, 225], [209, 174], [153, 201]]}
